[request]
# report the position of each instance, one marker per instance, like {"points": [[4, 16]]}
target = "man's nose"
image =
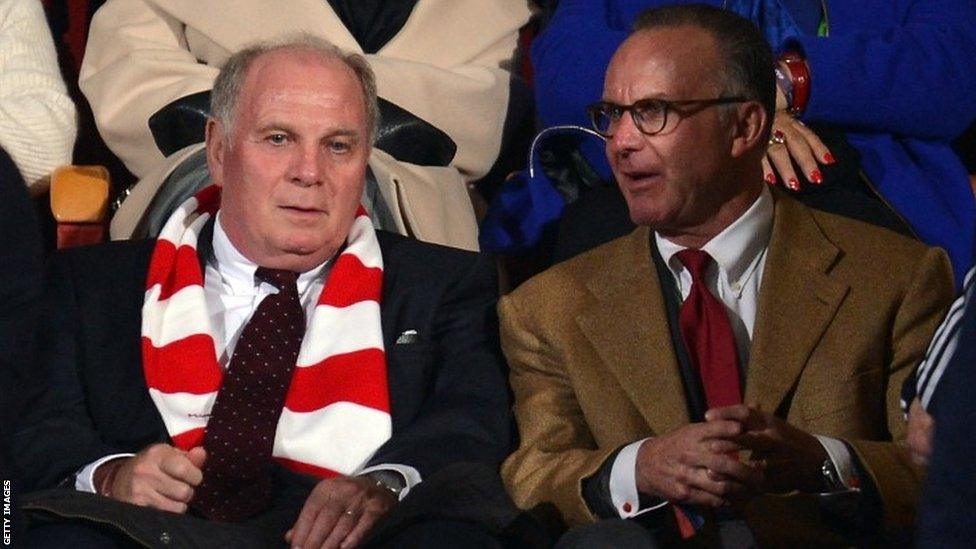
{"points": [[626, 137], [306, 169]]}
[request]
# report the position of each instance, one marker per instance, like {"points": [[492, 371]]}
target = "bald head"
{"points": [[229, 83]]}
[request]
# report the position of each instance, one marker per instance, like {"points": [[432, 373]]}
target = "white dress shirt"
{"points": [[734, 278], [232, 294]]}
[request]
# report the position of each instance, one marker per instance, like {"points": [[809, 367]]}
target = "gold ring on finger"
{"points": [[777, 138]]}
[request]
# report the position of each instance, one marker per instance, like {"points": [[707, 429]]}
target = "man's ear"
{"points": [[215, 141], [747, 129]]}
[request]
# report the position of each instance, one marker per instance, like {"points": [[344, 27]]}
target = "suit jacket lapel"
{"points": [[406, 365], [797, 302], [627, 326], [205, 249]]}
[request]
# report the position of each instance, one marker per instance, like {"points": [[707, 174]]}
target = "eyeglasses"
{"points": [[650, 115]]}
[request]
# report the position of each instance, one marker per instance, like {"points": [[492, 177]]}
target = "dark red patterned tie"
{"points": [[240, 432], [708, 336]]}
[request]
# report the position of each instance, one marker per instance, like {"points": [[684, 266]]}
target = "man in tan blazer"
{"points": [[448, 65], [828, 315]]}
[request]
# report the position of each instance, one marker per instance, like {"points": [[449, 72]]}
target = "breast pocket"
{"points": [[410, 370]]}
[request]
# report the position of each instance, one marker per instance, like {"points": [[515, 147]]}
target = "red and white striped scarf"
{"points": [[337, 410]]}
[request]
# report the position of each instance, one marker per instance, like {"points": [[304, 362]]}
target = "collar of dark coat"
{"points": [[205, 250]]}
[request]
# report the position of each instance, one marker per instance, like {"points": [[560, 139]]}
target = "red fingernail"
{"points": [[816, 177], [828, 158], [793, 184], [771, 178]]}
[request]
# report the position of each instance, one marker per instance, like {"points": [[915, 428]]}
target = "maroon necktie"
{"points": [[240, 432], [708, 336]]}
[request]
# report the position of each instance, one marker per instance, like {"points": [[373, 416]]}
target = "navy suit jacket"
{"points": [[20, 287], [87, 396], [21, 268]]}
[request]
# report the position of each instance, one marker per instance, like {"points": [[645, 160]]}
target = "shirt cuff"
{"points": [[85, 478], [623, 483], [411, 476], [843, 462]]}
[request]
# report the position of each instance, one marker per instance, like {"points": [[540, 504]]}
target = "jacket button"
{"points": [[164, 538]]}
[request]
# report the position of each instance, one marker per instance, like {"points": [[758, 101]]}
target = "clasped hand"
{"points": [[699, 464]]}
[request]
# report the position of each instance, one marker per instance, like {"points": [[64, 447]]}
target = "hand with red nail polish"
{"points": [[768, 174], [792, 145]]}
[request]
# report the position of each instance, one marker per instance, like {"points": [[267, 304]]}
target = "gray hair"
{"points": [[227, 87]]}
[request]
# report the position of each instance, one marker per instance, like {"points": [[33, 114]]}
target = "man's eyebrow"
{"points": [[341, 132], [287, 128]]}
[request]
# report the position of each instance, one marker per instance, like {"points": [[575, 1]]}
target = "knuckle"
{"points": [[680, 491], [185, 494], [375, 508], [684, 475], [178, 468], [142, 469], [319, 494]]}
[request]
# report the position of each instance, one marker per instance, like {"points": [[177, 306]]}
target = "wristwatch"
{"points": [[831, 478], [388, 480]]}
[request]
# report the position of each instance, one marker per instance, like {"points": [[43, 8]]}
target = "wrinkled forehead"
{"points": [[302, 75], [673, 63]]}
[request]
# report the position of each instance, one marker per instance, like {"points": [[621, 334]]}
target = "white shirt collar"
{"points": [[238, 271], [737, 249]]}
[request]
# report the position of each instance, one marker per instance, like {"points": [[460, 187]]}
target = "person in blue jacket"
{"points": [[894, 75]]}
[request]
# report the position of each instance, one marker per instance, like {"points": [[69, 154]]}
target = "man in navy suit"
{"points": [[949, 499], [288, 145], [20, 287]]}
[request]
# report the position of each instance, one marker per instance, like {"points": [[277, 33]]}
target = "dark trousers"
{"points": [[462, 505], [422, 535], [608, 534]]}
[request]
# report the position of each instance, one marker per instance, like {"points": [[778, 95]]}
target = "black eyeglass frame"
{"points": [[667, 106]]}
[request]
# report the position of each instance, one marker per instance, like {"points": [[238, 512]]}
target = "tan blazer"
{"points": [[845, 312], [448, 65]]}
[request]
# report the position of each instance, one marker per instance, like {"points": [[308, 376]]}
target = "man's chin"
{"points": [[303, 256], [646, 217]]}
